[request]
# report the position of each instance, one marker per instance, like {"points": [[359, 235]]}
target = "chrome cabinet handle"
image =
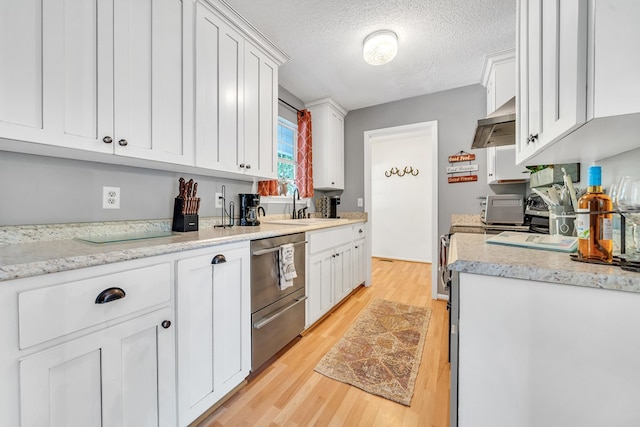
{"points": [[110, 294], [123, 142], [274, 249], [270, 319], [218, 259], [107, 140]]}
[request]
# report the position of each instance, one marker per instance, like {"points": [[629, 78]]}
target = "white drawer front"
{"points": [[54, 311], [359, 231], [322, 240]]}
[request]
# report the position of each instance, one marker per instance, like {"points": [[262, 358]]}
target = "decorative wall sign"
{"points": [[462, 168], [462, 157], [462, 178]]}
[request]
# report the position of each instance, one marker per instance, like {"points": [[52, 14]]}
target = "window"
{"points": [[287, 155]]}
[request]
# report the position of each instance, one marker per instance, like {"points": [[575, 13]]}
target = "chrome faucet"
{"points": [[293, 212]]}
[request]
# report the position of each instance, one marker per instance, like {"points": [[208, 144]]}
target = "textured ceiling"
{"points": [[441, 44]]}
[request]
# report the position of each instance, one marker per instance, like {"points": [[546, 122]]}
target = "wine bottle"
{"points": [[593, 226]]}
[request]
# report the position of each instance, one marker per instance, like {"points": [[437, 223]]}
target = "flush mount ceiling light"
{"points": [[380, 47]]}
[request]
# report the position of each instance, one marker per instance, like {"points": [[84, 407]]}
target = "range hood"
{"points": [[499, 128]]}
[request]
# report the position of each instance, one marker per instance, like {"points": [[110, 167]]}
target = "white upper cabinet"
{"points": [[236, 98], [219, 55], [327, 123], [97, 76], [499, 77], [578, 96], [114, 81], [260, 113]]}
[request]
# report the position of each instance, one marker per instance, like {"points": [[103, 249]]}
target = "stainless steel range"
{"points": [[277, 316]]}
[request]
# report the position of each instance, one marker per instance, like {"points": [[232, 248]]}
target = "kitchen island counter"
{"points": [[470, 253], [28, 251]]}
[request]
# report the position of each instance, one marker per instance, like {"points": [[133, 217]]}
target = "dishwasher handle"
{"points": [[273, 249], [267, 320]]}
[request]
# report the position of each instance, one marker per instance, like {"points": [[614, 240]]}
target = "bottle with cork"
{"points": [[594, 221]]}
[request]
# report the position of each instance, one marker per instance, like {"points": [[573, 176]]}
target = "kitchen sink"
{"points": [[304, 221]]}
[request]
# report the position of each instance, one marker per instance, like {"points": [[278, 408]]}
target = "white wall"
{"points": [[401, 206]]}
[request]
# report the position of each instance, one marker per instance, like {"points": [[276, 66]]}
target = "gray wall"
{"points": [[457, 112]]}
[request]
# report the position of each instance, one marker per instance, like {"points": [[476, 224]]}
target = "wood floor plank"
{"points": [[290, 393]]}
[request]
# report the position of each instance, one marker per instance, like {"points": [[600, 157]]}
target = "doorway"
{"points": [[403, 210]]}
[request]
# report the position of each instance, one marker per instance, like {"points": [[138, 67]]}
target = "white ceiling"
{"points": [[442, 44]]}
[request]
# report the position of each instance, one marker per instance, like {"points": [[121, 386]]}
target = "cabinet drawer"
{"points": [[322, 240], [54, 311], [359, 232]]}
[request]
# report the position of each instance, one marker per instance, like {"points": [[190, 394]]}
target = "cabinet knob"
{"points": [[110, 294], [248, 166], [123, 143], [242, 165], [166, 324], [360, 230], [107, 140], [333, 183], [218, 259]]}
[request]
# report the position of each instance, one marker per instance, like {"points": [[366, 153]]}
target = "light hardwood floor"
{"points": [[290, 393]]}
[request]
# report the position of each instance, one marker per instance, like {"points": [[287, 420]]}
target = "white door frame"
{"points": [[431, 129]]}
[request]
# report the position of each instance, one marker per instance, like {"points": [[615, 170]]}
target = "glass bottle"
{"points": [[595, 232]]}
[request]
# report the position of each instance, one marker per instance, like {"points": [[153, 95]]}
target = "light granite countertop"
{"points": [[472, 223], [27, 251], [469, 253]]}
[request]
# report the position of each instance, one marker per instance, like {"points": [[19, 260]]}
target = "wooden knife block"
{"points": [[183, 222]]}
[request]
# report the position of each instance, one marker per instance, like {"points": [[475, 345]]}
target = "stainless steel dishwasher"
{"points": [[277, 316]]}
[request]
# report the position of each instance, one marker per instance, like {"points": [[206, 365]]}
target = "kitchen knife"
{"points": [[181, 187], [189, 187], [195, 189]]}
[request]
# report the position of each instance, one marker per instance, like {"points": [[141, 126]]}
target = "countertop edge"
{"points": [[149, 248], [478, 257]]}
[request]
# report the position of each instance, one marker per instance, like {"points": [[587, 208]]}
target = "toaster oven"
{"points": [[503, 209]]}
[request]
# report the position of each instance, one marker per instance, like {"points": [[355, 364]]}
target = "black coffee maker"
{"points": [[249, 208]]}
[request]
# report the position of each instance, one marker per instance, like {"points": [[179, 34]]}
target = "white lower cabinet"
{"points": [[120, 376], [214, 333], [319, 286], [334, 261], [342, 271], [89, 347], [359, 263]]}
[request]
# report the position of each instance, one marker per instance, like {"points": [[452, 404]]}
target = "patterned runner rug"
{"points": [[381, 351]]}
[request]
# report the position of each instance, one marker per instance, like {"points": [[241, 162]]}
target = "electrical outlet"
{"points": [[110, 197], [360, 202], [218, 200]]}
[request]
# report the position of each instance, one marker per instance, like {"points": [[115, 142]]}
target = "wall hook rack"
{"points": [[407, 170]]}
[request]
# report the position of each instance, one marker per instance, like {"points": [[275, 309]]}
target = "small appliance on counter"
{"points": [[328, 206], [536, 214], [503, 209], [250, 209]]}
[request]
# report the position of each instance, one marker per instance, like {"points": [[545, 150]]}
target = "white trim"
{"points": [[429, 128]]}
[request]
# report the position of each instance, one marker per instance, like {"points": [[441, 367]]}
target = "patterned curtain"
{"points": [[304, 177]]}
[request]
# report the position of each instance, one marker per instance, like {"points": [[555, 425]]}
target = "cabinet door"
{"points": [[342, 270], [121, 376], [328, 147], [214, 332], [337, 131], [218, 88], [552, 40], [149, 96], [260, 114], [320, 286], [56, 78], [358, 269]]}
